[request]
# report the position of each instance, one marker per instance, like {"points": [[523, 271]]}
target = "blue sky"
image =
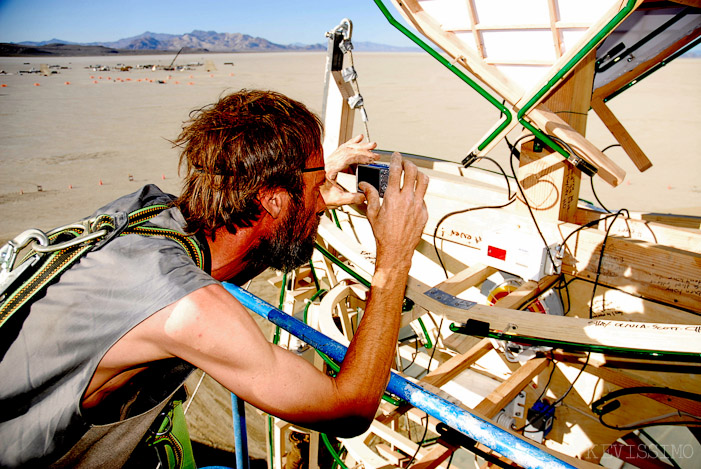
{"points": [[280, 21]]}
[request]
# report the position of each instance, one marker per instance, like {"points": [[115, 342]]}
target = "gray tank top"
{"points": [[48, 367]]}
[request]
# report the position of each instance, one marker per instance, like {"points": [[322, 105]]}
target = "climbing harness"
{"points": [[53, 253], [169, 436]]}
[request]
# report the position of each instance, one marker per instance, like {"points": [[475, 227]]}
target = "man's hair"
{"points": [[246, 142]]}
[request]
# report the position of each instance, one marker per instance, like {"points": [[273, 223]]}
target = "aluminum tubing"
{"points": [[518, 450]]}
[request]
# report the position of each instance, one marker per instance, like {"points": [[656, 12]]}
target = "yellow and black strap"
{"points": [[59, 261]]}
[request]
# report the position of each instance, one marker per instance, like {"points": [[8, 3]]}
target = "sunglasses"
{"points": [[311, 170], [222, 173]]}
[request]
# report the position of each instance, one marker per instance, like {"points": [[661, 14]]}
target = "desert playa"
{"points": [[76, 139]]}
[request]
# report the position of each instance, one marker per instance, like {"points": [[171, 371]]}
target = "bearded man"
{"points": [[101, 353]]}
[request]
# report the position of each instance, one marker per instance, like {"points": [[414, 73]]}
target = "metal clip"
{"points": [[349, 74], [355, 101], [345, 27], [8, 254], [346, 46]]}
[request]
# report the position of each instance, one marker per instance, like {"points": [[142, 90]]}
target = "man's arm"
{"points": [[214, 332], [397, 225]]}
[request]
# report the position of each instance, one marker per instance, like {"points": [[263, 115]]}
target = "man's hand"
{"points": [[397, 224], [351, 152], [399, 221]]}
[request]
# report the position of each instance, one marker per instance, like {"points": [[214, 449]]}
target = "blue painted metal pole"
{"points": [[518, 450], [238, 413]]}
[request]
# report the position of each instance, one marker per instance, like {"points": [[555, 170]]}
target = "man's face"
{"points": [[292, 243]]}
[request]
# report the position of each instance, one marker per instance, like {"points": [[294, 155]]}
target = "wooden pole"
{"points": [[550, 183]]}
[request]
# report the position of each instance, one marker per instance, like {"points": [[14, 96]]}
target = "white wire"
{"points": [[192, 398], [357, 90]]}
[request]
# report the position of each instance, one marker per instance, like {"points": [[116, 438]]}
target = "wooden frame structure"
{"points": [[633, 285]]}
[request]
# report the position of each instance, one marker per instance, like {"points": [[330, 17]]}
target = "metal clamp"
{"points": [[8, 254], [355, 101], [349, 74], [345, 27]]}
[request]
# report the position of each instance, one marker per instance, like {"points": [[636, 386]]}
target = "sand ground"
{"points": [[81, 142], [82, 138]]}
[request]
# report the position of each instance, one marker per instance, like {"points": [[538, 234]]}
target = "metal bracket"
{"points": [[8, 254], [355, 101], [349, 74]]}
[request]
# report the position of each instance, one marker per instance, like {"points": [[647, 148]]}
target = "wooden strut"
{"points": [[670, 274], [483, 68], [598, 332], [362, 259], [621, 135], [602, 369], [645, 259]]}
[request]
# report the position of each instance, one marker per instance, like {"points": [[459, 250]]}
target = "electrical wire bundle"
{"points": [[511, 198], [558, 401], [610, 402]]}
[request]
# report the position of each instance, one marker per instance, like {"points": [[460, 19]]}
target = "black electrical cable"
{"points": [[501, 170], [591, 180], [651, 424], [525, 201], [416, 353], [558, 401], [593, 223], [421, 443], [457, 212], [435, 346], [603, 247], [593, 191], [660, 448], [563, 283], [610, 146], [586, 362], [600, 407], [601, 258], [550, 377], [572, 112]]}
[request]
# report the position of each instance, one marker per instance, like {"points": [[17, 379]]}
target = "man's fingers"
{"points": [[366, 156], [351, 152], [347, 198], [410, 172], [395, 171], [421, 184], [354, 198], [372, 197]]}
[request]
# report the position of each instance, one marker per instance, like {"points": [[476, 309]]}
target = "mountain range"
{"points": [[208, 41]]}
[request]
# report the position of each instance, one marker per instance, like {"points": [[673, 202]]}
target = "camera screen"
{"points": [[370, 175]]}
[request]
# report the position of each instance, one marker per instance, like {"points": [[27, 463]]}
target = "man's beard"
{"points": [[290, 246]]}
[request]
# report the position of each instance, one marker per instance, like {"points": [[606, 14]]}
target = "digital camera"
{"points": [[375, 174]]}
